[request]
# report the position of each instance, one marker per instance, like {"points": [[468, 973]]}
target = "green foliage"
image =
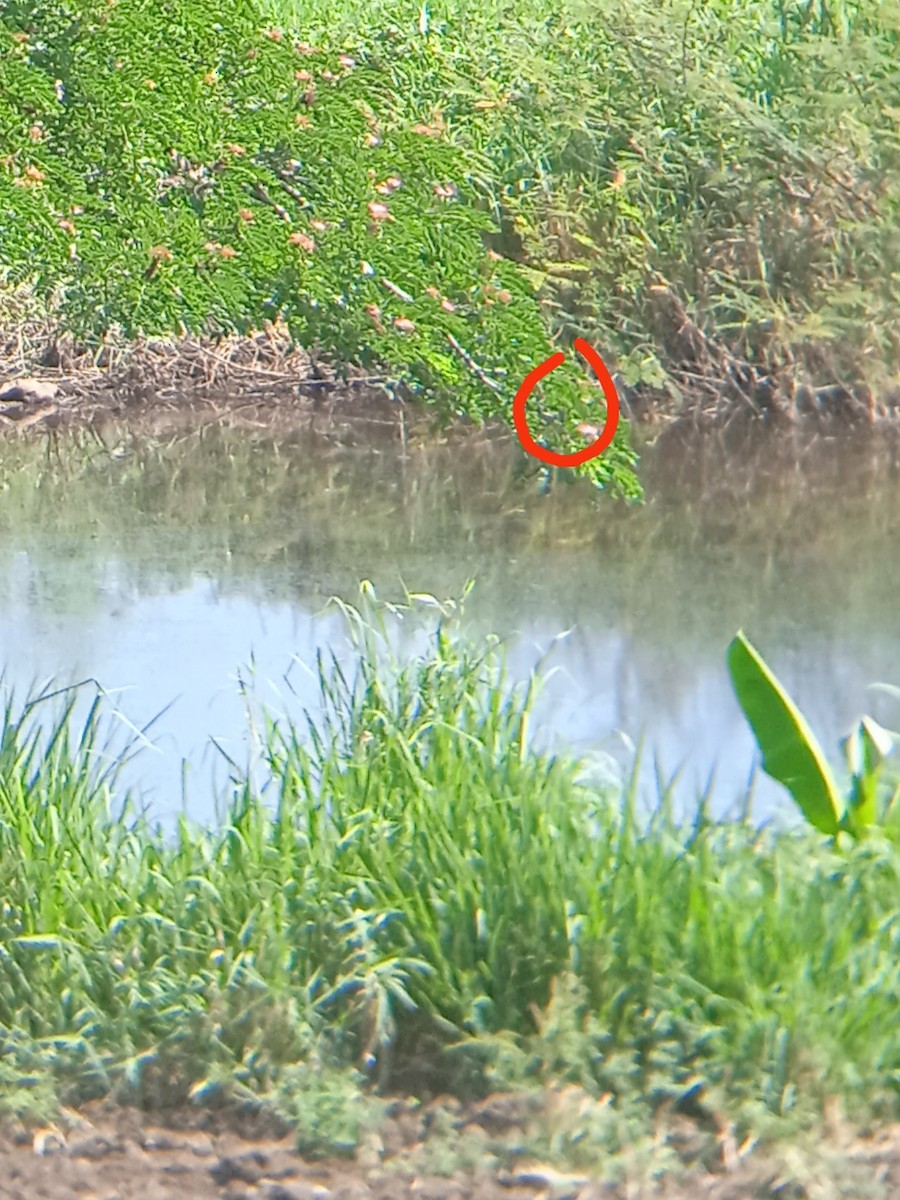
{"points": [[866, 748], [793, 756], [408, 873], [791, 753], [174, 165], [328, 1108], [746, 151]]}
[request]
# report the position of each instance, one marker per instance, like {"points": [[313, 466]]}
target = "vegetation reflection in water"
{"points": [[410, 870], [652, 594]]}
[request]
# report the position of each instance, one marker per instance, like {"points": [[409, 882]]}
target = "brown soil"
{"points": [[262, 380], [436, 1151], [50, 381]]}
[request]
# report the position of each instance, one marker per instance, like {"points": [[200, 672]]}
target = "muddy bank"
{"points": [[49, 380], [254, 379], [438, 1150]]}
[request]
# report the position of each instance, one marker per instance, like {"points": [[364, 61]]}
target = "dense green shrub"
{"points": [[745, 152], [180, 165]]}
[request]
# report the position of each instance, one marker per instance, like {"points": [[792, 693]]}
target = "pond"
{"points": [[165, 565]]}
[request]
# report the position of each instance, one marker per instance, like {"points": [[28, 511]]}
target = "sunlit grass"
{"points": [[408, 873], [743, 152]]}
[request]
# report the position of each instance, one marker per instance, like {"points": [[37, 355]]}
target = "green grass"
{"points": [[743, 153], [403, 888]]}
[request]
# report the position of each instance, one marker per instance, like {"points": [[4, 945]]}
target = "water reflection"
{"points": [[161, 570]]}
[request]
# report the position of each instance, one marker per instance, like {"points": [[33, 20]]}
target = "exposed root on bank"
{"points": [[713, 389], [49, 379]]}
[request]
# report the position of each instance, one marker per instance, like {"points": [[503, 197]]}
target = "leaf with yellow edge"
{"points": [[791, 753]]}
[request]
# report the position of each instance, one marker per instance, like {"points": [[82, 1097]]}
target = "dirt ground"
{"points": [[109, 1152], [51, 381]]}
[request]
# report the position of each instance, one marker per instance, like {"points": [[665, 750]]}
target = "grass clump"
{"points": [[411, 891]]}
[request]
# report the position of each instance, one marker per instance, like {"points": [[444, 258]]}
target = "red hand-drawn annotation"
{"points": [[533, 378]]}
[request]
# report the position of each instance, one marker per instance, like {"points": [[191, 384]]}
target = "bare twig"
{"points": [[261, 194], [293, 192], [473, 365], [398, 291]]}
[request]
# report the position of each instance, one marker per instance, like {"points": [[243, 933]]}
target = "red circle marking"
{"points": [[533, 378]]}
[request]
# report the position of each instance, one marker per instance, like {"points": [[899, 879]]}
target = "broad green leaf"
{"points": [[791, 753], [866, 747]]}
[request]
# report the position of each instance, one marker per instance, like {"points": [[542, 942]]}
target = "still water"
{"points": [[165, 567]]}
